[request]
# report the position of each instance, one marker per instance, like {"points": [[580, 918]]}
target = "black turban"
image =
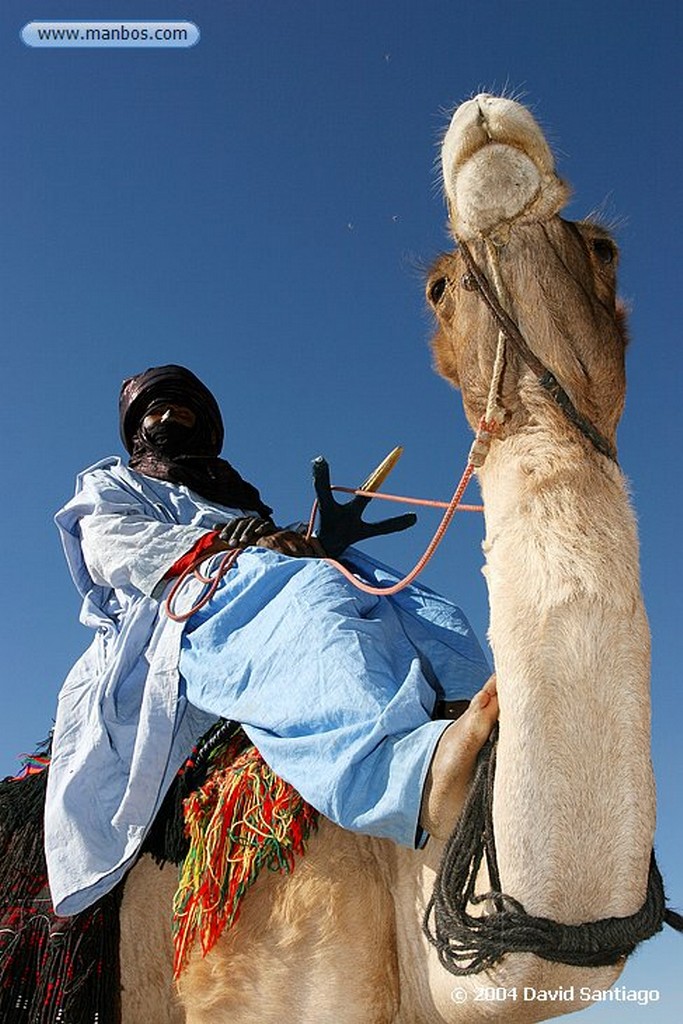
{"points": [[198, 465]]}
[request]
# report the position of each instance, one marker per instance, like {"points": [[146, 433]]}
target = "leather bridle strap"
{"points": [[545, 377]]}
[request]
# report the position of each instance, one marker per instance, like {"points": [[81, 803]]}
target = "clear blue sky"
{"points": [[261, 207]]}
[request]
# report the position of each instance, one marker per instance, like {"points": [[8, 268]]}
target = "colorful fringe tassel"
{"points": [[242, 819], [33, 764]]}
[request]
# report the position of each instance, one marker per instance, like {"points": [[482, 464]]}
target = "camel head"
{"points": [[555, 278]]}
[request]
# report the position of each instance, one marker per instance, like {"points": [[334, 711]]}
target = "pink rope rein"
{"points": [[451, 509]]}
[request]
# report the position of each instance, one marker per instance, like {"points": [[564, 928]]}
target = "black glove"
{"points": [[240, 533], [341, 525]]}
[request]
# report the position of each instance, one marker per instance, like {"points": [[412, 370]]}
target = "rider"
{"points": [[345, 695]]}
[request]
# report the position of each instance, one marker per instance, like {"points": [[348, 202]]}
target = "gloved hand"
{"points": [[240, 533], [341, 525]]}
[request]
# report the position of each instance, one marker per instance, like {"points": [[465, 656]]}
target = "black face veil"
{"points": [[185, 455]]}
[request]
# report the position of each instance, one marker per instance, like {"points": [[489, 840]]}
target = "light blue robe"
{"points": [[336, 688]]}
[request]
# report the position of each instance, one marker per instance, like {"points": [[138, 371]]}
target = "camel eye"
{"points": [[436, 290], [604, 250]]}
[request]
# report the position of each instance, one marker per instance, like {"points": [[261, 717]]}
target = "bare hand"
{"points": [[288, 542], [240, 533]]}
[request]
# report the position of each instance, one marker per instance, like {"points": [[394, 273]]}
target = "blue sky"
{"points": [[262, 207]]}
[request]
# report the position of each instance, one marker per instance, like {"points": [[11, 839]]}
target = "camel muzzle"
{"points": [[497, 169]]}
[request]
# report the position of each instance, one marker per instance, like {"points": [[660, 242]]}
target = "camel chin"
{"points": [[497, 169]]}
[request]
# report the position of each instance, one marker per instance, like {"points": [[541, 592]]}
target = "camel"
{"points": [[341, 939]]}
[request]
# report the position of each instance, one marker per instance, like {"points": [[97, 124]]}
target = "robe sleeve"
{"points": [[130, 550], [113, 539]]}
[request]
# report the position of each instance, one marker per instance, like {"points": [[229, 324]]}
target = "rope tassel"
{"points": [[244, 818]]}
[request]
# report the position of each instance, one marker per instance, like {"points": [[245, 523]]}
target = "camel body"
{"points": [[340, 940]]}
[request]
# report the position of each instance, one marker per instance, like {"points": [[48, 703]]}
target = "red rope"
{"points": [[226, 562]]}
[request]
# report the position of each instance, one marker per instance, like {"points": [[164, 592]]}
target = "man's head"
{"points": [[171, 426], [169, 410]]}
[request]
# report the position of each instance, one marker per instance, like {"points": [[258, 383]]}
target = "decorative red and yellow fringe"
{"points": [[242, 819]]}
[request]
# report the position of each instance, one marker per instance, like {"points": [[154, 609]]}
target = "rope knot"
{"points": [[486, 431]]}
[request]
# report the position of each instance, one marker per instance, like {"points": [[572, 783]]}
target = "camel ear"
{"points": [[444, 359]]}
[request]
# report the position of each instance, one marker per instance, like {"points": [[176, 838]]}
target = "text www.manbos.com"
{"points": [[109, 33]]}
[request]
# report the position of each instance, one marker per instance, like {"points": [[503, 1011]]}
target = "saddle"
{"points": [[226, 816]]}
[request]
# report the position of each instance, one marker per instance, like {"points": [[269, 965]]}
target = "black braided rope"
{"points": [[467, 944], [549, 382], [546, 379]]}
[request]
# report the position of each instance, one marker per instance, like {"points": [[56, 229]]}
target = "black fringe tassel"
{"points": [[53, 970]]}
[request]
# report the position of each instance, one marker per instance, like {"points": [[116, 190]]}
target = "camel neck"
{"points": [[558, 521], [574, 799]]}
